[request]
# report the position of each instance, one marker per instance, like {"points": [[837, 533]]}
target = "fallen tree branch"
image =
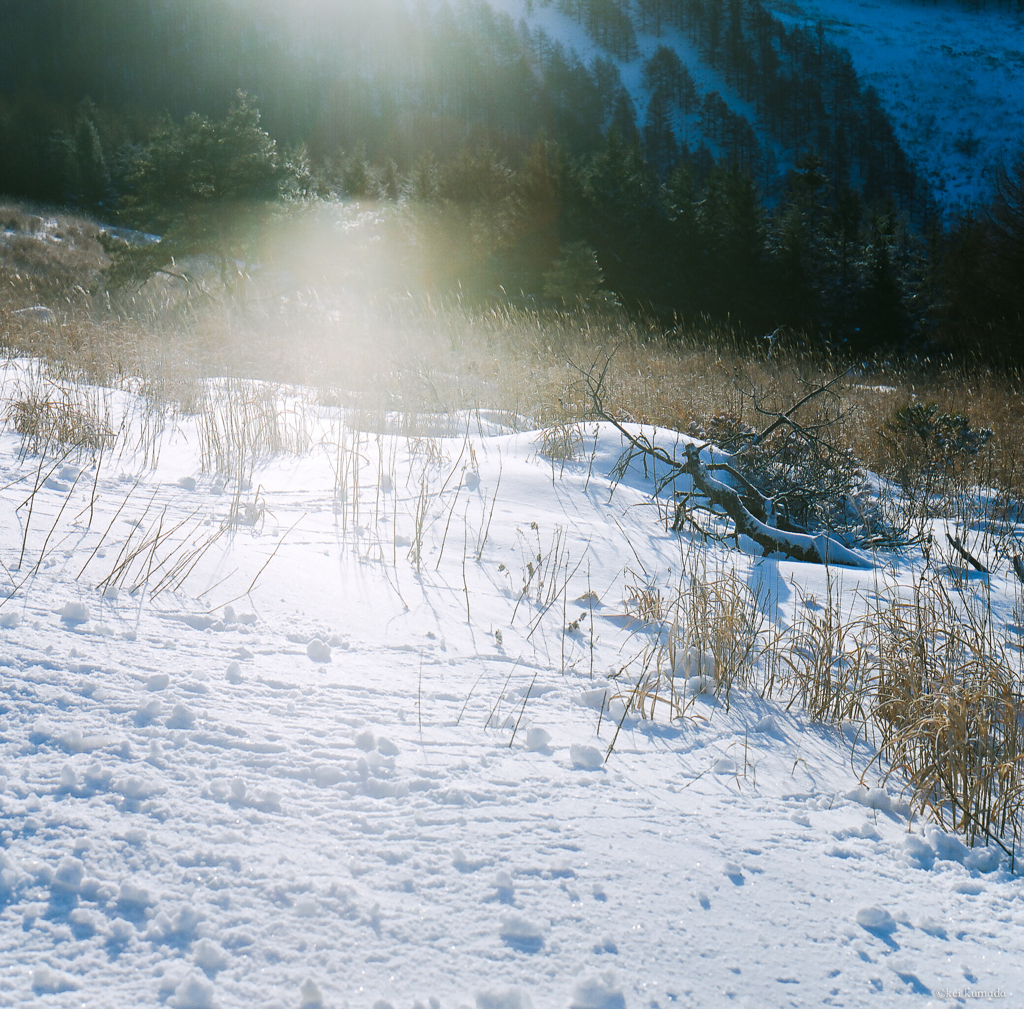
{"points": [[966, 554], [749, 511], [820, 549], [1018, 567]]}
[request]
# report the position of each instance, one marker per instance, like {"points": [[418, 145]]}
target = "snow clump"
{"points": [[506, 998], [194, 992], [310, 995], [877, 919], [598, 991], [47, 981], [586, 758], [75, 613]]}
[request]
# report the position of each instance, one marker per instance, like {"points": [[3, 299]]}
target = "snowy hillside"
{"points": [[950, 79], [348, 730]]}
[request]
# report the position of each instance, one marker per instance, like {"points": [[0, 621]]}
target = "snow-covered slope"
{"points": [[313, 775], [951, 80]]}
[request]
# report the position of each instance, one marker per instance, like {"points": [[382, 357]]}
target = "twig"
{"points": [[966, 554]]}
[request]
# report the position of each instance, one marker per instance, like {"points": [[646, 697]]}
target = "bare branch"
{"points": [[751, 511]]}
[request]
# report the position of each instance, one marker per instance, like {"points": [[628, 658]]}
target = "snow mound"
{"points": [[194, 992], [46, 981], [209, 955], [75, 613], [598, 991], [309, 995], [505, 998], [537, 739], [876, 798], [585, 757], [876, 919], [521, 933]]}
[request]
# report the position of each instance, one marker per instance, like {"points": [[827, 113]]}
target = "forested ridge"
{"points": [[804, 213]]}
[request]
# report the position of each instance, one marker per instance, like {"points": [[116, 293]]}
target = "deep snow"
{"points": [[359, 785]]}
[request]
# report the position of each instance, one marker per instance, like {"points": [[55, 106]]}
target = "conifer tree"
{"points": [[203, 186], [576, 278], [734, 231], [88, 174]]}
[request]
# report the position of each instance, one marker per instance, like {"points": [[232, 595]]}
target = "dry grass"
{"points": [[925, 675], [948, 704], [57, 417], [386, 354]]}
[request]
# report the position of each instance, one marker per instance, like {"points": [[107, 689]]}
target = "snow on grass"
{"points": [[436, 815]]}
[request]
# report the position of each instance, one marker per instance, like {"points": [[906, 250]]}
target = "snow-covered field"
{"points": [[300, 772]]}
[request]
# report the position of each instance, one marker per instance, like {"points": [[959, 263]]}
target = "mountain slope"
{"points": [[950, 79]]}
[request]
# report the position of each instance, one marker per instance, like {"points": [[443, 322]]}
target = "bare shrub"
{"points": [[561, 442]]}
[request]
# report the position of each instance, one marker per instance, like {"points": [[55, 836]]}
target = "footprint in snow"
{"points": [[734, 873]]}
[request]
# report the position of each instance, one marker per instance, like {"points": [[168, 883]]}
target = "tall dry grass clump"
{"points": [[924, 675], [948, 705]]}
